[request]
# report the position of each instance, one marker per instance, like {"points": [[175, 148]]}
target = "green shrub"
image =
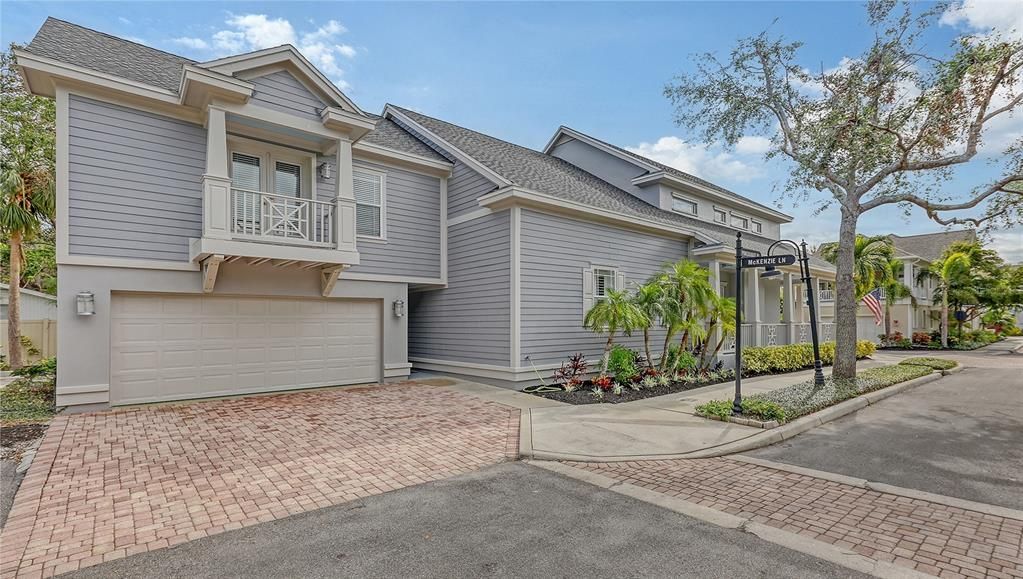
{"points": [[40, 368], [790, 357], [763, 410], [679, 360], [715, 409], [621, 363], [934, 363]]}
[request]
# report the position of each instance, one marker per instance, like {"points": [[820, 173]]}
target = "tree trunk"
{"points": [[704, 361], [14, 354], [646, 347], [664, 352], [845, 299], [944, 315], [607, 352]]}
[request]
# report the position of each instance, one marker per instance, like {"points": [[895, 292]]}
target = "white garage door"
{"points": [[171, 347]]}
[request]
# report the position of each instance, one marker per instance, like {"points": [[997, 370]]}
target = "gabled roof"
{"points": [[653, 168], [108, 54], [6, 288], [543, 173], [930, 246]]}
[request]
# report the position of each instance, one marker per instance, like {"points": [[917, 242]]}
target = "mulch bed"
{"points": [[584, 395], [14, 440]]}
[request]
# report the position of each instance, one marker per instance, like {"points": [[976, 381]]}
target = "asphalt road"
{"points": [[9, 480], [509, 520], [961, 436]]}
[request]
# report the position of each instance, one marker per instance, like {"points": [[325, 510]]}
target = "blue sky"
{"points": [[518, 70]]}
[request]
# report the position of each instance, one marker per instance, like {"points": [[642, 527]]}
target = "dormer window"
{"points": [[683, 205]]}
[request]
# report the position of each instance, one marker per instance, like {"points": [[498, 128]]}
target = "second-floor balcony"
{"points": [[272, 218], [827, 295]]}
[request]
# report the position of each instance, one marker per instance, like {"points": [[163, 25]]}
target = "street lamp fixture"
{"points": [[770, 262]]}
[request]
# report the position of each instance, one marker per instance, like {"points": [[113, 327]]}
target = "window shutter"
{"points": [[587, 290], [619, 281]]}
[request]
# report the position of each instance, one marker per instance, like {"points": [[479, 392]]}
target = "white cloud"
{"points": [[698, 159], [124, 20], [248, 32], [346, 50], [193, 43], [753, 145], [1008, 244], [986, 16], [263, 32]]}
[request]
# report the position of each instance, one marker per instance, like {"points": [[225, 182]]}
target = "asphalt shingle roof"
{"points": [[388, 134], [101, 52], [930, 246], [553, 176]]}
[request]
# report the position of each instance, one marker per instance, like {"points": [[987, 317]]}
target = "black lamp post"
{"points": [[768, 262], [811, 301]]}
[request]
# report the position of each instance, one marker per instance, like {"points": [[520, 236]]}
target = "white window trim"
{"points": [[696, 206], [589, 283], [614, 281], [732, 215], [268, 156], [723, 212], [383, 202], [756, 226]]}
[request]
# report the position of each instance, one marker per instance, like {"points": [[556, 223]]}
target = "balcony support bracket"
{"points": [[210, 268], [328, 278]]}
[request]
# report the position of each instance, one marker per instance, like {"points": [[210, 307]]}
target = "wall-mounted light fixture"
{"points": [[399, 308], [86, 303], [325, 170]]}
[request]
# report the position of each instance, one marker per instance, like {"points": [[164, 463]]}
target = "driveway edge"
{"points": [[995, 510], [812, 547]]}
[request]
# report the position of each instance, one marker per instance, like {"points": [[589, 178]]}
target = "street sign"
{"points": [[767, 261]]}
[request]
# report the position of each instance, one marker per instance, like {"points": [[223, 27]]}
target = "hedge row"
{"points": [[790, 357]]}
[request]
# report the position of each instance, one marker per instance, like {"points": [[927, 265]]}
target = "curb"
{"points": [[812, 547], [765, 437], [984, 508], [30, 453]]}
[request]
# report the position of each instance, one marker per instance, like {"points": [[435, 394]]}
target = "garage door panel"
{"points": [[173, 347]]}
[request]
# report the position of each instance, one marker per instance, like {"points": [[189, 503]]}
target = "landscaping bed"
{"points": [[26, 407], [585, 394], [804, 398], [971, 340]]}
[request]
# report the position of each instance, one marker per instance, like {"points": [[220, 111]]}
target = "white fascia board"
{"points": [[432, 166], [29, 63], [662, 177], [462, 156], [511, 196], [29, 292], [356, 125], [195, 79], [284, 53], [564, 131]]}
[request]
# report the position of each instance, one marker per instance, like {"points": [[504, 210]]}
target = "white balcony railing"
{"points": [[827, 295], [266, 216]]}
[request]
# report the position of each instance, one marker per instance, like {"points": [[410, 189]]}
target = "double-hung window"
{"points": [[603, 281], [740, 221], [720, 216], [757, 227], [598, 282], [369, 203], [683, 205]]}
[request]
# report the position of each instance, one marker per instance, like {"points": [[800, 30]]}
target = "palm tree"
{"points": [[894, 290], [688, 293], [613, 313], [946, 270], [650, 298], [870, 266], [26, 181], [721, 314]]}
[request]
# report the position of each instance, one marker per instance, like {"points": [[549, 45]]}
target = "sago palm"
{"points": [[616, 312]]}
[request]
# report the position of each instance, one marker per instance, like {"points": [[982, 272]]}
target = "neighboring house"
{"points": [[919, 312], [38, 321], [241, 225]]}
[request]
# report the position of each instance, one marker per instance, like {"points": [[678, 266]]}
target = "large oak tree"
{"points": [[884, 128]]}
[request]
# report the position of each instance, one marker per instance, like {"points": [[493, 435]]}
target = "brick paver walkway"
{"points": [[108, 485], [930, 537]]}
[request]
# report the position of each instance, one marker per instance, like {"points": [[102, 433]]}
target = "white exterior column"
{"points": [[345, 210], [715, 283], [787, 304], [216, 183]]}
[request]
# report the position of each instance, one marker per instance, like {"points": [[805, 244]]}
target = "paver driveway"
{"points": [[112, 484]]}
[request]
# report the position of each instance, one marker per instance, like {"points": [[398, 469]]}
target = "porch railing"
{"points": [[827, 295], [773, 334], [779, 334], [280, 218]]}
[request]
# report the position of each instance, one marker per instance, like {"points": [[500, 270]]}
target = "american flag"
{"points": [[874, 305]]}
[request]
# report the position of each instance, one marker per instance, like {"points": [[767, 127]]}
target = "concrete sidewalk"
{"points": [[649, 429]]}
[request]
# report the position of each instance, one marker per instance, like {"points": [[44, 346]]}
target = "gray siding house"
{"points": [[241, 226]]}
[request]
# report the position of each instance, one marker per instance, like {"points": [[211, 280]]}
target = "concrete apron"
{"points": [[667, 427]]}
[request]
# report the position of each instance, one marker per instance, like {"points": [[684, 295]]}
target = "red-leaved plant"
{"points": [[604, 382]]}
